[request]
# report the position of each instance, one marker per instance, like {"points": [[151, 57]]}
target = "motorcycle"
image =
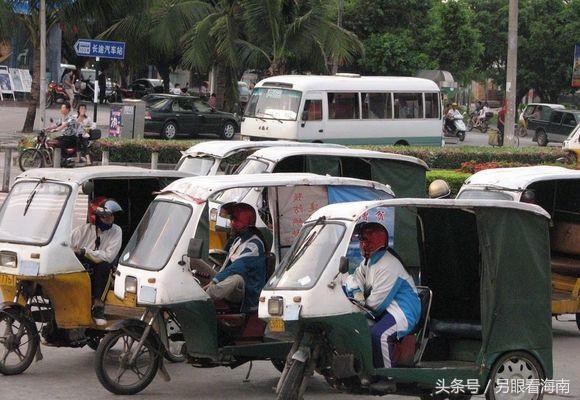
{"points": [[457, 128], [41, 155], [115, 95], [483, 124], [85, 91], [56, 94]]}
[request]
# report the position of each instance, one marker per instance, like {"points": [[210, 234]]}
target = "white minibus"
{"points": [[345, 109]]}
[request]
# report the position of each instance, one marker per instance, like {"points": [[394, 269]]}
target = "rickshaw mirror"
{"points": [[88, 187], [195, 248], [343, 265]]}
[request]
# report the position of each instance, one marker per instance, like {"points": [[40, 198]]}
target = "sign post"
{"points": [[99, 49]]}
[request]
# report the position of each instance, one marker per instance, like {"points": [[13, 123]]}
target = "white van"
{"points": [[345, 109]]}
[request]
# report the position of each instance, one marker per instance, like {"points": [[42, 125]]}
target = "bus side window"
{"points": [[343, 106], [408, 105], [432, 105], [376, 105], [312, 110], [354, 167]]}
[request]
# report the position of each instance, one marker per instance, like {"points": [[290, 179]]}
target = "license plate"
{"points": [[7, 280], [276, 325]]}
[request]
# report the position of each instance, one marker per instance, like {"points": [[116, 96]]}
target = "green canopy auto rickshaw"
{"points": [[485, 319]]}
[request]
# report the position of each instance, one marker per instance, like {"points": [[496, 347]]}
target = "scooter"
{"points": [[457, 128], [56, 94]]}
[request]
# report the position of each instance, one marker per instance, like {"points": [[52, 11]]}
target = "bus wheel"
{"points": [[317, 141], [401, 143]]}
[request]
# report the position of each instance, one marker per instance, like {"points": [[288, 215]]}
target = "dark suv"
{"points": [[558, 128], [171, 115]]}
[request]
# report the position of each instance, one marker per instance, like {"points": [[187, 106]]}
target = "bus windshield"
{"points": [[274, 103]]}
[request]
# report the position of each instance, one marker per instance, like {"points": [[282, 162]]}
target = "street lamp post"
{"points": [[511, 78]]}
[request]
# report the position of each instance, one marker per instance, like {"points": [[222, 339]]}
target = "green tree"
{"points": [[17, 14], [454, 41], [393, 54], [270, 34], [548, 31]]}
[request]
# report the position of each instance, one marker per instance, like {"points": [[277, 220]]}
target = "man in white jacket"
{"points": [[97, 245], [382, 285]]}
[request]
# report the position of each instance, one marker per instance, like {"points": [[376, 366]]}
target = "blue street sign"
{"points": [[100, 48]]}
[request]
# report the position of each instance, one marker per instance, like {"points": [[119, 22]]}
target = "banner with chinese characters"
{"points": [[302, 202]]}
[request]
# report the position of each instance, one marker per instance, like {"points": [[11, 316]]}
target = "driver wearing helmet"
{"points": [[97, 245], [382, 284], [243, 274]]}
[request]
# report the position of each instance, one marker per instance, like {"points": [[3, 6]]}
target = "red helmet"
{"points": [[372, 236], [93, 206], [242, 215]]}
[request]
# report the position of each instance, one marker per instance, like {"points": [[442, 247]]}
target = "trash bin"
{"points": [[493, 137], [127, 119]]}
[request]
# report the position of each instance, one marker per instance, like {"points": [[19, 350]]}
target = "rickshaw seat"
{"points": [[460, 329], [566, 266]]}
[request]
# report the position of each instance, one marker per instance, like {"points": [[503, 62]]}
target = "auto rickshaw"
{"points": [[572, 147], [485, 302], [556, 190], [41, 279], [160, 268]]}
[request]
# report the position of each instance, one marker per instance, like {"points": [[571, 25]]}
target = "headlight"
{"points": [[7, 259], [276, 306], [130, 284]]}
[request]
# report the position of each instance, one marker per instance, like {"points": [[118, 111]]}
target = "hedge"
{"points": [[455, 179], [139, 151]]}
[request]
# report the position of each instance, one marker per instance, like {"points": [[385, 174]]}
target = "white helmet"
{"points": [[439, 189]]}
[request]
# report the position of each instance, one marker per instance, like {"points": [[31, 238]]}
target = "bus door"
{"points": [[312, 120]]}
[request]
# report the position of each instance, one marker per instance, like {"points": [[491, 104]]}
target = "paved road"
{"points": [[68, 374]]}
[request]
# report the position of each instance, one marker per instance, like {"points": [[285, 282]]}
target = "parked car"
{"points": [[535, 115], [558, 128], [186, 115], [141, 87]]}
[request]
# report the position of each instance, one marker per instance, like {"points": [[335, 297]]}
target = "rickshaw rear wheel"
{"points": [[112, 361], [291, 386], [516, 365], [578, 320], [18, 341]]}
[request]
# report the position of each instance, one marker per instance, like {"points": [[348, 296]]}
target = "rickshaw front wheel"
{"points": [[18, 342], [510, 368], [121, 367], [290, 389]]}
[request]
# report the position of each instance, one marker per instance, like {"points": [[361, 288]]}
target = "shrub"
{"points": [[455, 179], [472, 167], [139, 151]]}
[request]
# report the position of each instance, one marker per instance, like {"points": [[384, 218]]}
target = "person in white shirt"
{"points": [[176, 89], [97, 245]]}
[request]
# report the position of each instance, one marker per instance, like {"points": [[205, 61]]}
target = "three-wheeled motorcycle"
{"points": [[485, 302], [161, 263], [556, 190], [41, 279]]}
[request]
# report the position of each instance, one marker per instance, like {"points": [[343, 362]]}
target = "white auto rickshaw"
{"points": [[572, 147], [41, 279], [484, 323], [222, 157], [556, 190], [160, 265]]}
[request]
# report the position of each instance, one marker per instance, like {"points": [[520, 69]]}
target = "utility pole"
{"points": [[512, 66], [339, 23], [42, 98]]}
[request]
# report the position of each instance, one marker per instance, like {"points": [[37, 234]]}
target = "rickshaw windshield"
{"points": [[307, 258], [31, 212], [196, 165], [156, 236], [484, 194]]}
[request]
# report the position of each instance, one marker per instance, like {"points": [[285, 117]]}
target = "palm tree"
{"points": [[270, 34], [153, 29], [15, 14]]}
